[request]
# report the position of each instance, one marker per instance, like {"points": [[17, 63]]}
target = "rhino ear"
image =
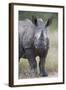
{"points": [[49, 21], [34, 20]]}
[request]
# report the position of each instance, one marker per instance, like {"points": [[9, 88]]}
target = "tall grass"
{"points": [[52, 57]]}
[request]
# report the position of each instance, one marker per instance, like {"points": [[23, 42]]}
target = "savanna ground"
{"points": [[52, 56]]}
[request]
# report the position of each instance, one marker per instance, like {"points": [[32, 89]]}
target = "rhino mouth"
{"points": [[42, 47]]}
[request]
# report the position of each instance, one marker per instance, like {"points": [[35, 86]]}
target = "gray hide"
{"points": [[34, 41]]}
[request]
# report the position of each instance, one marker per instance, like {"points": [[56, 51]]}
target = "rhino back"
{"points": [[26, 32]]}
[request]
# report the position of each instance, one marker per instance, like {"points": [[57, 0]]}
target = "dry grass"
{"points": [[52, 57]]}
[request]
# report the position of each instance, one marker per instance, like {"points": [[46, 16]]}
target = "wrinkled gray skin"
{"points": [[34, 41]]}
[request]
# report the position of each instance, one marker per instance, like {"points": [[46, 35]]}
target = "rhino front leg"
{"points": [[31, 58], [42, 67]]}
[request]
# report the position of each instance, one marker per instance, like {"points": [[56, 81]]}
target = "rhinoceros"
{"points": [[34, 41]]}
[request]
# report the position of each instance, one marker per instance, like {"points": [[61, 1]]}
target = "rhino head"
{"points": [[41, 38]]}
